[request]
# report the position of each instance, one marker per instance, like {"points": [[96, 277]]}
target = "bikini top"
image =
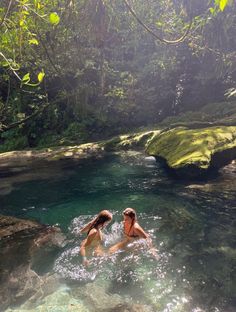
{"points": [[132, 236]]}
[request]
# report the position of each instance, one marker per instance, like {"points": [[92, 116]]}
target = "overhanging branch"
{"points": [[181, 39]]}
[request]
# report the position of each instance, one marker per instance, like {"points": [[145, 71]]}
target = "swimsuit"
{"points": [[131, 236]]}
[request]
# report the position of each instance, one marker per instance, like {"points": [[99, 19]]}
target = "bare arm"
{"points": [[86, 227], [86, 243], [118, 246], [143, 234], [138, 230]]}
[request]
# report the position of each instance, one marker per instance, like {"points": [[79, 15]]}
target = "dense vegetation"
{"points": [[79, 70]]}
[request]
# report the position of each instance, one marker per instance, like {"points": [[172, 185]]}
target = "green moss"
{"points": [[129, 141], [136, 140], [181, 147]]}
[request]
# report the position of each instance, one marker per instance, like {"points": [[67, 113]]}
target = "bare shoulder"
{"points": [[140, 231], [92, 234]]}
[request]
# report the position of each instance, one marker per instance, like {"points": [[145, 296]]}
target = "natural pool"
{"points": [[191, 224]]}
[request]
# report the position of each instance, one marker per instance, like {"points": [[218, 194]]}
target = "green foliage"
{"points": [[14, 140], [98, 73]]}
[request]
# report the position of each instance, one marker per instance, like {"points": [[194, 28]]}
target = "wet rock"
{"points": [[18, 159], [60, 300], [96, 297], [24, 246], [131, 141], [125, 307], [46, 285]]}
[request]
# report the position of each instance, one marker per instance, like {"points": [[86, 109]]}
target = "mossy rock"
{"points": [[130, 141], [196, 150]]}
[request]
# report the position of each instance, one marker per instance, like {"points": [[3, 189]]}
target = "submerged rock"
{"points": [[24, 246], [99, 299], [96, 297], [60, 300], [192, 152]]}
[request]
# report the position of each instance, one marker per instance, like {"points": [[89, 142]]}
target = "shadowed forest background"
{"points": [[76, 71]]}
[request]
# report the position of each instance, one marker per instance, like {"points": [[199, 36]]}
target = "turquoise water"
{"points": [[192, 225]]}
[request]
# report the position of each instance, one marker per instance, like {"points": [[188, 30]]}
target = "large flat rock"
{"points": [[193, 152]]}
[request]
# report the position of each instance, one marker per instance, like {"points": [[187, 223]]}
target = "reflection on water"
{"points": [[192, 226]]}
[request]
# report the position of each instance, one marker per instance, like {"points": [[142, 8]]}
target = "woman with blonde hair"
{"points": [[132, 231], [92, 245]]}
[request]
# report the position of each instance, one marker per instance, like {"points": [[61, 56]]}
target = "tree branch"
{"points": [[5, 15], [181, 39], [4, 128]]}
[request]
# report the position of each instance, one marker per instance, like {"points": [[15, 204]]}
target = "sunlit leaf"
{"points": [[33, 41], [26, 78], [223, 4], [20, 116], [54, 18], [41, 76], [212, 10]]}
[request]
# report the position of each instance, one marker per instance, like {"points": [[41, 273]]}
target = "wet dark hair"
{"points": [[102, 217]]}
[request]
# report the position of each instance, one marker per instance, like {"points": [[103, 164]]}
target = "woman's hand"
{"points": [[85, 261]]}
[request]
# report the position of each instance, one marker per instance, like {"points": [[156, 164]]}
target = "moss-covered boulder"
{"points": [[193, 152]]}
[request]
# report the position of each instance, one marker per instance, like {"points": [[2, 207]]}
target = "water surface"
{"points": [[192, 225]]}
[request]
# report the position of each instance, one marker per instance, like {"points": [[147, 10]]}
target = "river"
{"points": [[192, 225]]}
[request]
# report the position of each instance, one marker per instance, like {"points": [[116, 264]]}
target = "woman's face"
{"points": [[126, 215]]}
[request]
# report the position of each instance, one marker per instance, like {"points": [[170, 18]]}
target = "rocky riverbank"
{"points": [[24, 246]]}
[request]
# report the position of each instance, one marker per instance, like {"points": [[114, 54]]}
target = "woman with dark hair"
{"points": [[92, 245], [132, 231]]}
